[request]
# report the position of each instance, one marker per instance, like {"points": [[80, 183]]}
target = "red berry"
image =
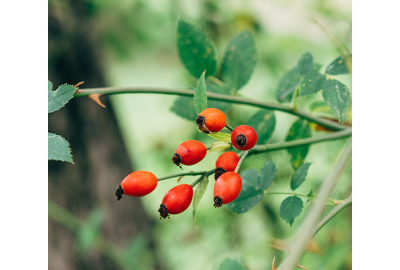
{"points": [[137, 184], [176, 200], [211, 120], [244, 137], [226, 162], [189, 153], [227, 188]]}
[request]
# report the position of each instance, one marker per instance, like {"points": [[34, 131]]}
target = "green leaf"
{"points": [[299, 130], [338, 66], [198, 194], [89, 232], [50, 86], [58, 98], [311, 83], [337, 95], [200, 95], [267, 175], [231, 264], [305, 64], [320, 106], [219, 146], [239, 61], [221, 136], [288, 84], [263, 123], [58, 148], [299, 176], [291, 208], [196, 50], [185, 108], [251, 192]]}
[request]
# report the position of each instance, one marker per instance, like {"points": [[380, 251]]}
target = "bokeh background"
{"points": [[133, 43]]}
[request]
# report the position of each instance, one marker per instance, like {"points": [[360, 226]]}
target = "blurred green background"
{"points": [[135, 44]]}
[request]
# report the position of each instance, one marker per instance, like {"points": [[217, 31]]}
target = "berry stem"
{"points": [[205, 174], [241, 160], [229, 127], [212, 96], [186, 173]]}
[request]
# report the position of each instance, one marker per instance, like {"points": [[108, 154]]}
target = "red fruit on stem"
{"points": [[244, 137], [211, 120], [176, 200], [189, 153], [227, 188], [137, 184], [226, 162]]}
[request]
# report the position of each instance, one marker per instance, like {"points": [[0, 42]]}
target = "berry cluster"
{"points": [[228, 183]]}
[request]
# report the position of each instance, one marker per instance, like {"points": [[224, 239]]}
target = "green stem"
{"points": [[205, 174], [285, 193], [229, 127], [278, 146], [294, 98], [184, 174], [336, 210], [211, 96], [241, 161], [307, 229]]}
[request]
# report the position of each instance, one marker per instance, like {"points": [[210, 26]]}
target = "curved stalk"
{"points": [[211, 96]]}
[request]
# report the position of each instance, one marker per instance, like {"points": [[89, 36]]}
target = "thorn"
{"points": [[273, 264], [79, 83], [299, 266], [96, 98]]}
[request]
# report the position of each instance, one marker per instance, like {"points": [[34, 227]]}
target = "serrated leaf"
{"points": [[298, 130], [305, 63], [239, 61], [196, 50], [58, 148], [185, 108], [263, 123], [50, 86], [198, 194], [231, 264], [89, 232], [299, 176], [250, 194], [290, 208], [267, 175], [320, 106], [60, 97], [200, 95], [337, 95], [311, 83], [338, 66], [220, 146], [221, 136]]}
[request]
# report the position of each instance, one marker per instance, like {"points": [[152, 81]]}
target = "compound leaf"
{"points": [[196, 50], [305, 63], [291, 208], [239, 61], [58, 148]]}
